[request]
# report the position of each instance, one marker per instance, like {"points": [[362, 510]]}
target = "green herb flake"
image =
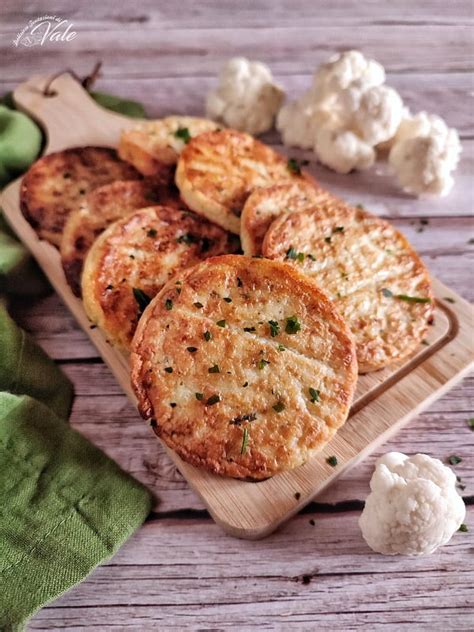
{"points": [[279, 407], [183, 134], [168, 304], [386, 292], [291, 253], [207, 336], [239, 282], [332, 461], [281, 347], [111, 287], [199, 396], [262, 364], [227, 299], [463, 528], [221, 323], [169, 369], [245, 441], [314, 395], [173, 404], [187, 238], [412, 299], [191, 349], [152, 232], [425, 342], [338, 229], [312, 257], [293, 325], [293, 166], [250, 330], [141, 298], [245, 384], [454, 459], [198, 304], [274, 328], [214, 369], [300, 257], [449, 299], [327, 240], [297, 495], [213, 399], [312, 522], [470, 423]]}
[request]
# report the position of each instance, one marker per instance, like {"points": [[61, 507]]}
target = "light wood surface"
{"points": [[180, 571]]}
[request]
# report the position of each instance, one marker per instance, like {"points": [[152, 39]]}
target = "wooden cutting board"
{"points": [[384, 401]]}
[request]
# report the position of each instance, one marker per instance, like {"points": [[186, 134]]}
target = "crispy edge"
{"points": [[139, 362]]}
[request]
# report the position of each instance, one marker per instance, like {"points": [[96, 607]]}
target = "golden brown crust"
{"points": [[217, 171], [152, 147], [220, 319], [56, 184], [264, 205], [102, 207], [142, 251], [364, 264]]}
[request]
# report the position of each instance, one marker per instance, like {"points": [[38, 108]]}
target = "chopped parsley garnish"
{"points": [[199, 396], [168, 304], [152, 232], [292, 325], [213, 399], [245, 384], [238, 421], [386, 292], [227, 299], [300, 257], [153, 423], [291, 253], [425, 342], [214, 369], [132, 256], [274, 328], [173, 404], [110, 287], [470, 423], [249, 330], [449, 299], [463, 528], [142, 299], [245, 441], [314, 395], [332, 461], [198, 304], [327, 240], [183, 134], [221, 323], [239, 282], [191, 349], [66, 175], [169, 369], [338, 229], [293, 166], [187, 238], [278, 407], [310, 256], [281, 347], [262, 364], [412, 299], [207, 336], [297, 495], [454, 459]]}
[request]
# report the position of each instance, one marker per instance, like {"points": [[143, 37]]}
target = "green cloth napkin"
{"points": [[65, 507]]}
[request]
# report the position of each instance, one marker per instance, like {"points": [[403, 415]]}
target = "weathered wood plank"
{"points": [[217, 14], [174, 52]]}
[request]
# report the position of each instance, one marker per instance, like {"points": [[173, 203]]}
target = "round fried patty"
{"points": [[217, 171], [243, 366], [102, 207], [368, 268], [132, 260], [55, 185]]}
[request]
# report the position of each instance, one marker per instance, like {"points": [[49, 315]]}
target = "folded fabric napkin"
{"points": [[65, 507]]}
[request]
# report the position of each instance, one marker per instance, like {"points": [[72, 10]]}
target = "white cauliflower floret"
{"points": [[379, 114], [413, 507], [343, 151], [343, 69], [425, 154], [247, 98], [294, 121]]}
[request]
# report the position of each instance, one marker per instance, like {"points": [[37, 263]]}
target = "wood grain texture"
{"points": [[199, 577]]}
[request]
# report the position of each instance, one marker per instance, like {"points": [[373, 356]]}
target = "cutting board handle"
{"points": [[69, 116]]}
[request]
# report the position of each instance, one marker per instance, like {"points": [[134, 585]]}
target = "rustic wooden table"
{"points": [[180, 571]]}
